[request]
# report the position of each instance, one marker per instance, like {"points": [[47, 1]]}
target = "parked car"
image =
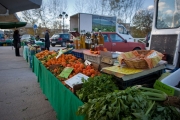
{"points": [[60, 39], [42, 39], [114, 42], [27, 37]]}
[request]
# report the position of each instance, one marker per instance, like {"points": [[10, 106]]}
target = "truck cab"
{"points": [[165, 34]]}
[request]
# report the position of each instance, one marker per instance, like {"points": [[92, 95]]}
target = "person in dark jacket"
{"points": [[47, 41], [16, 41]]}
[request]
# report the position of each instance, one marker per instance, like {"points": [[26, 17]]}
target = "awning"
{"points": [[9, 25], [13, 6]]}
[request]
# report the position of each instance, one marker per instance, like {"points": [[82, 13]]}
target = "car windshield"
{"points": [[106, 39], [65, 36], [116, 38], [25, 37], [168, 14]]}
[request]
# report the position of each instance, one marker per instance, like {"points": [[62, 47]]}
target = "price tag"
{"points": [[66, 72], [163, 87], [77, 79], [87, 62]]}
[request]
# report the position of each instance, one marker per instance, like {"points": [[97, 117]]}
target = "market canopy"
{"points": [[13, 6], [9, 25]]}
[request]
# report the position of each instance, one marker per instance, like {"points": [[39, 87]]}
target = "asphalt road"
{"points": [[20, 95]]}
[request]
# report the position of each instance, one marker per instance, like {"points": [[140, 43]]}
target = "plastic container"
{"points": [[77, 53], [92, 57], [172, 80]]}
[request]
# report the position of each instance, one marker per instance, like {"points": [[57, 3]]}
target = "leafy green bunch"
{"points": [[129, 104], [96, 87]]}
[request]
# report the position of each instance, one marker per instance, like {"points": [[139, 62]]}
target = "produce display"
{"points": [[48, 58], [96, 87], [103, 100], [130, 104]]}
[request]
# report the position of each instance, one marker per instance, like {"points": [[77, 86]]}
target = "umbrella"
{"points": [[14, 6], [9, 25]]}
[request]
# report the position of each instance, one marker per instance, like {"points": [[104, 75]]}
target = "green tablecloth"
{"points": [[64, 102], [41, 44]]}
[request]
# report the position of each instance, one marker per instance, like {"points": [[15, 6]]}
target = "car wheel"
{"points": [[137, 48], [53, 45], [63, 44]]}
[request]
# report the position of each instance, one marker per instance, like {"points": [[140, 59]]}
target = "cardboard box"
{"points": [[107, 59]]}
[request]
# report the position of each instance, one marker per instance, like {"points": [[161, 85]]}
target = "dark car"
{"points": [[60, 39], [114, 42]]}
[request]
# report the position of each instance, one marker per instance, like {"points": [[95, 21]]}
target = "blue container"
{"points": [[78, 54]]}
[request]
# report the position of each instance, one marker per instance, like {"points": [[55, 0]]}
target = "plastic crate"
{"points": [[92, 57], [148, 80], [78, 53]]}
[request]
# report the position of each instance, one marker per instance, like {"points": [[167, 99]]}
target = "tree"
{"points": [[142, 22], [124, 9], [80, 6], [47, 15]]}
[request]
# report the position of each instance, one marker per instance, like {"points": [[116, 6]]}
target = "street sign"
{"points": [[35, 26]]}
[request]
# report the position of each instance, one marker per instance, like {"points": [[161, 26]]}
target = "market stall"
{"points": [[77, 87], [64, 102], [30, 50]]}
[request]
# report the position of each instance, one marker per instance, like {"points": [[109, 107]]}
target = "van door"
{"points": [[118, 43], [107, 42]]}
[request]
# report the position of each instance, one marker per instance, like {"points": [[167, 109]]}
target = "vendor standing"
{"points": [[47, 41], [16, 42]]}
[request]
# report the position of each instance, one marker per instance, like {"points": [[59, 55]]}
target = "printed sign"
{"points": [[66, 72], [163, 87], [77, 79], [87, 62]]}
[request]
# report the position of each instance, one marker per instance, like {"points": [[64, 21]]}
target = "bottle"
{"points": [[100, 38], [95, 42], [83, 39], [92, 42]]}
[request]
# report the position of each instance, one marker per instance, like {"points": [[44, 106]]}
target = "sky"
{"points": [[148, 4]]}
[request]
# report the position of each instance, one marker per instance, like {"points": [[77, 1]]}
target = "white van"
{"points": [[122, 31]]}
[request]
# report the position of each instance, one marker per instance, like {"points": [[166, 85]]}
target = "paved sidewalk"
{"points": [[20, 95]]}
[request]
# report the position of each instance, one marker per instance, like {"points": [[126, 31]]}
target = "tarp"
{"points": [[9, 25], [14, 6]]}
